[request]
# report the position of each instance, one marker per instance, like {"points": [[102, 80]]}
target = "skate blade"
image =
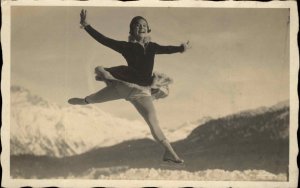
{"points": [[171, 164]]}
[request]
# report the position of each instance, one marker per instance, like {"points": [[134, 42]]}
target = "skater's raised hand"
{"points": [[187, 45], [83, 21]]}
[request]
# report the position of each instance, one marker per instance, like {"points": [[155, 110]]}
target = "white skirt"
{"points": [[159, 87]]}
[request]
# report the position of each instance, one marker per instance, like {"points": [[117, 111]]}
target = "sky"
{"points": [[238, 60]]}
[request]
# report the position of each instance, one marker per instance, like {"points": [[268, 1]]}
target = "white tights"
{"points": [[142, 101], [143, 104]]}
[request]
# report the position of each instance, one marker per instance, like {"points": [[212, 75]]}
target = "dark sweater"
{"points": [[140, 60]]}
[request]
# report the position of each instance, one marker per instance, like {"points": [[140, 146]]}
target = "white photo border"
{"points": [[7, 181]]}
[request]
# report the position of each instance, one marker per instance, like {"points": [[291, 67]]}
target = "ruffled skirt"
{"points": [[159, 87]]}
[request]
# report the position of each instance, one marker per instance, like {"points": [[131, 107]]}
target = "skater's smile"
{"points": [[140, 29]]}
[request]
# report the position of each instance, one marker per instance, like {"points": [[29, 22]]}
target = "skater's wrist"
{"points": [[84, 25], [183, 48]]}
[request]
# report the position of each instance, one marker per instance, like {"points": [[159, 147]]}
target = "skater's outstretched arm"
{"points": [[172, 49], [119, 46]]}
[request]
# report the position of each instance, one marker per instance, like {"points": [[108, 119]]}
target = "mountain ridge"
{"points": [[255, 140], [56, 131]]}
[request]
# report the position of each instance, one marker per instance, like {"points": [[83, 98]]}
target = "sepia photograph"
{"points": [[149, 94]]}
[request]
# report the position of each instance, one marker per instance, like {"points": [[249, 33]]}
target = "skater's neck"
{"points": [[140, 40]]}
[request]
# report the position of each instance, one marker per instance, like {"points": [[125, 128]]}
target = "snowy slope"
{"points": [[251, 145], [41, 128], [184, 130], [254, 125]]}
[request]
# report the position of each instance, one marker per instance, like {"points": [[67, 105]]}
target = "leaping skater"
{"points": [[135, 82]]}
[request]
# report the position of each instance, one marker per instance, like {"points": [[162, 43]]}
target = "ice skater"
{"points": [[135, 82]]}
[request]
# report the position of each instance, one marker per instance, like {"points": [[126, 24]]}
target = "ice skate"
{"points": [[171, 162], [78, 101]]}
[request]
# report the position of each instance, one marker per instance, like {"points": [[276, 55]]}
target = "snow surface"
{"points": [[123, 173], [161, 174]]}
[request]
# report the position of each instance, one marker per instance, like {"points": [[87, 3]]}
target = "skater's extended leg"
{"points": [[108, 93], [145, 107]]}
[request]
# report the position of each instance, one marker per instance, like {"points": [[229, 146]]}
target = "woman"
{"points": [[135, 82]]}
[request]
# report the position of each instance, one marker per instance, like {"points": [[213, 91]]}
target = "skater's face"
{"points": [[140, 29]]}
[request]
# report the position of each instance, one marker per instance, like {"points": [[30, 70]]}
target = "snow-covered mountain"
{"points": [[41, 128], [182, 131], [263, 109], [253, 125], [257, 139]]}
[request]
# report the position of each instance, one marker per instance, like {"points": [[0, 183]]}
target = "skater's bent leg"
{"points": [[108, 93], [145, 107]]}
